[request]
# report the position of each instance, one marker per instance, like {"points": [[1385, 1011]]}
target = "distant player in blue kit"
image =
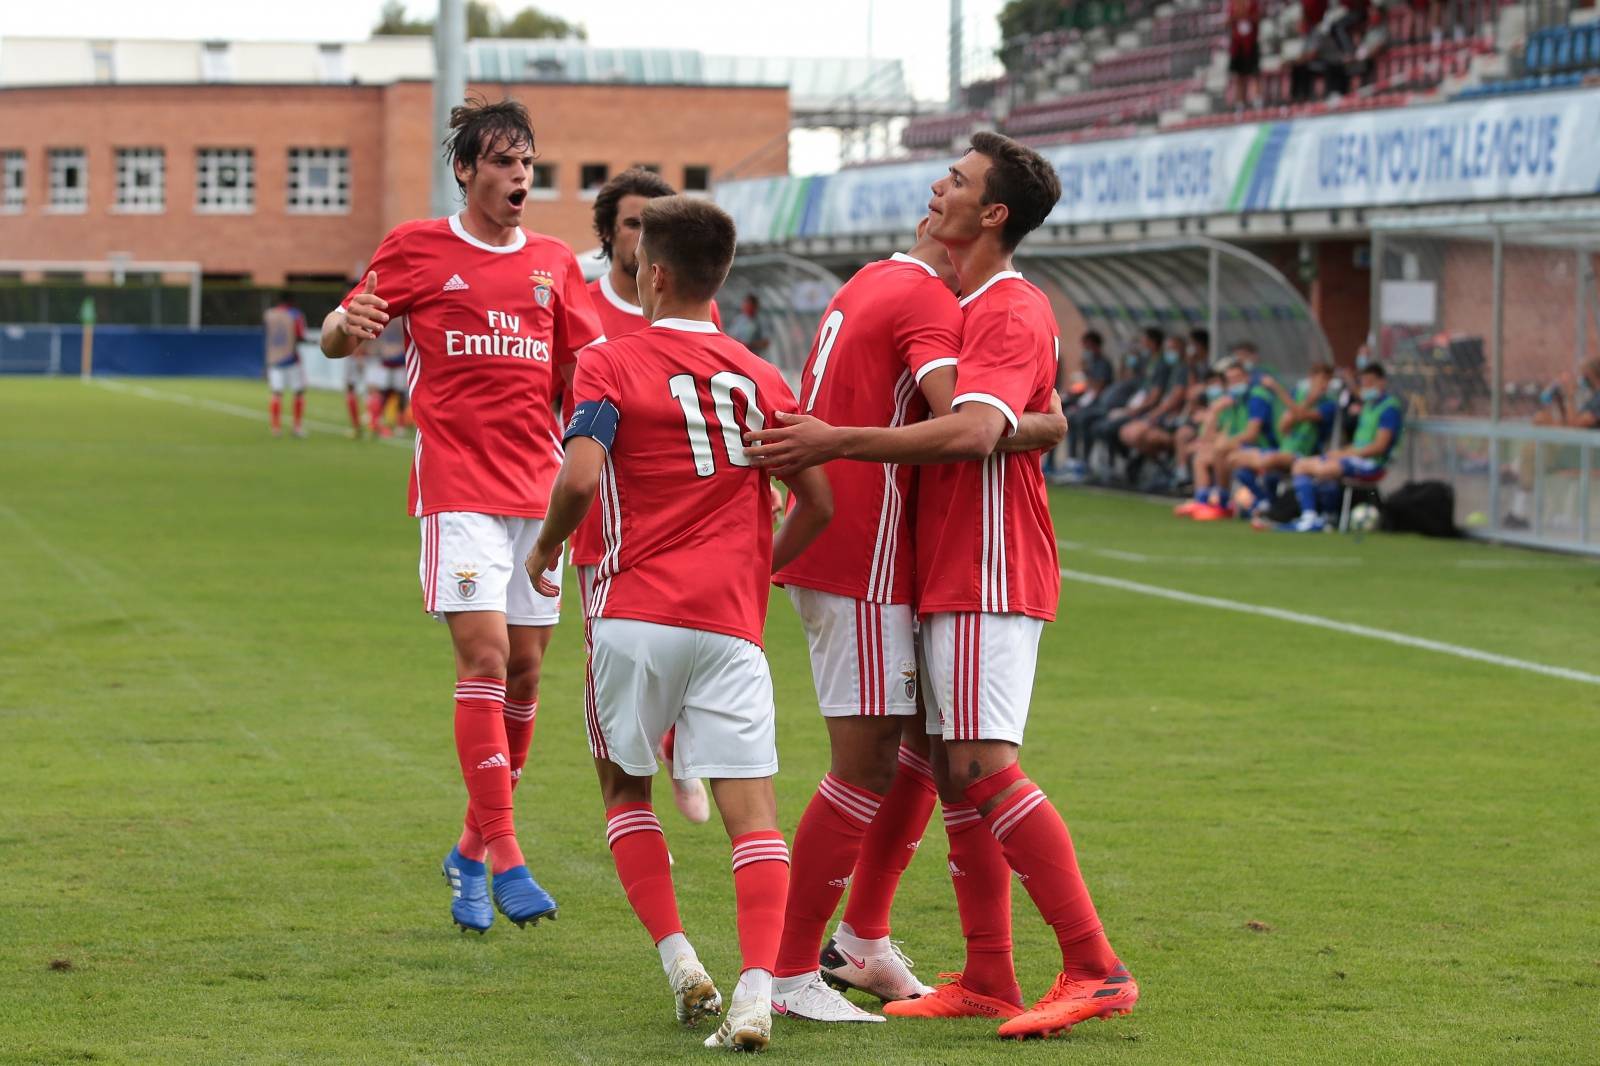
{"points": [[285, 327], [1377, 435]]}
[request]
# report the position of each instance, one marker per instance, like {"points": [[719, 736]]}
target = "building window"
{"points": [[654, 168], [331, 67], [542, 183], [319, 180], [225, 180], [105, 64], [141, 179], [15, 188], [216, 62], [696, 179], [591, 176], [69, 180]]}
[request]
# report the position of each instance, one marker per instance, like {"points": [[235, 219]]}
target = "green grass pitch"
{"points": [[226, 780]]}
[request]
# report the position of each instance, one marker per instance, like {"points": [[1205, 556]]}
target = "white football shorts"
{"points": [[863, 655], [355, 371], [979, 670], [473, 562], [645, 678], [288, 378], [382, 378]]}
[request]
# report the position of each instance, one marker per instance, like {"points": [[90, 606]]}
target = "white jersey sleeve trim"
{"points": [[498, 249], [598, 340], [993, 401], [933, 364]]}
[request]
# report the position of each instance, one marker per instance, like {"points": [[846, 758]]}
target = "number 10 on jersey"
{"points": [[723, 384]]}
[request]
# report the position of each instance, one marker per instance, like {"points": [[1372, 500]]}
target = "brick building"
{"points": [[298, 180]]}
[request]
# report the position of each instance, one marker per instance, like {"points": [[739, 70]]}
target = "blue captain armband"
{"points": [[596, 419]]}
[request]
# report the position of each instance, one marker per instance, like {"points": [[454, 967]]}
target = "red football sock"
{"points": [[299, 409], [982, 882], [888, 847], [275, 410], [760, 883], [668, 742], [826, 844], [640, 851], [520, 716], [375, 407], [353, 405], [485, 767], [1037, 845]]}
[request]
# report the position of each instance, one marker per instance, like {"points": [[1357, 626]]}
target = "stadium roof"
{"points": [[823, 91]]}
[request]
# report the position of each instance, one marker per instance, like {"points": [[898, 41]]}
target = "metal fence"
{"points": [[1482, 318]]}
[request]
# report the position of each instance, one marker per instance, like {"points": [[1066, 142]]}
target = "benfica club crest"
{"points": [[543, 287], [466, 583], [908, 675]]}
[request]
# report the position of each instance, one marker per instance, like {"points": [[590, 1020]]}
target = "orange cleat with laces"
{"points": [[1069, 1002], [952, 1000]]}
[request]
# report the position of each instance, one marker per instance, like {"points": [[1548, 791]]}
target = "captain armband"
{"points": [[596, 419]]}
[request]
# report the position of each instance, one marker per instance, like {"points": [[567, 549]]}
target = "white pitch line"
{"points": [[222, 408], [1350, 628]]}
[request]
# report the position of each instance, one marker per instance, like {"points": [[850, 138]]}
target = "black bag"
{"points": [[1284, 507], [1426, 507]]}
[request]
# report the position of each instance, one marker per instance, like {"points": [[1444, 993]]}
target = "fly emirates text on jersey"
{"points": [[504, 338]]}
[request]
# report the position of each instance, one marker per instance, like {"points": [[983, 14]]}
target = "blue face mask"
{"points": [[1238, 390], [1371, 395], [1363, 361], [1214, 393], [1170, 357]]}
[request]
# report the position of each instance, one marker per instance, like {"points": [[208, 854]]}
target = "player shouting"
{"points": [[617, 210], [885, 353], [680, 596], [987, 581], [493, 315]]}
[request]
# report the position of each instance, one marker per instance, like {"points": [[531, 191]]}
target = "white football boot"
{"points": [[747, 1026], [814, 1001], [885, 973], [692, 990]]}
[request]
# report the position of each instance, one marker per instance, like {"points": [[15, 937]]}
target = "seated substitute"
{"points": [[1304, 428], [1248, 423], [1378, 427]]}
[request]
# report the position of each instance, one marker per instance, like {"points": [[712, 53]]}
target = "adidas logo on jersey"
{"points": [[493, 761], [455, 284]]}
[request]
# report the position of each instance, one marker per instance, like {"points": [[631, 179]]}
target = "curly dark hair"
{"points": [[635, 181], [1020, 178], [477, 126]]}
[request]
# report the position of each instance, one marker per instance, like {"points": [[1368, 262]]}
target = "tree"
{"points": [[483, 20]]}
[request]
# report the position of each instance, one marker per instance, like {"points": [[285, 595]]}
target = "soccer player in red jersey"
{"points": [[679, 599], [617, 209], [987, 581], [884, 355], [495, 317], [285, 327]]}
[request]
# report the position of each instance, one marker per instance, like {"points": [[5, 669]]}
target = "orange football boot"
{"points": [[952, 1000], [1184, 510], [1069, 1002], [1211, 513]]}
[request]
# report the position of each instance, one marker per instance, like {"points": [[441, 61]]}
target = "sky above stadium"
{"points": [[913, 31]]}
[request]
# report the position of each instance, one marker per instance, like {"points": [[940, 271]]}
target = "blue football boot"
{"points": [[520, 898], [469, 893]]}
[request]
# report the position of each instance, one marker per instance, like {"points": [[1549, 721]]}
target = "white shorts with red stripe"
{"points": [[645, 678], [474, 562], [863, 655], [980, 674]]}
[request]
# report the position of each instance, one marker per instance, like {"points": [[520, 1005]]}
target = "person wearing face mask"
{"points": [[1151, 437], [1316, 478], [1206, 417], [1554, 410], [1084, 423], [1152, 392], [1248, 423], [1304, 428]]}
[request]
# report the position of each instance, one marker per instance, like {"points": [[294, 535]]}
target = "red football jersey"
{"points": [[686, 520], [985, 541], [888, 326], [487, 330], [618, 318]]}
